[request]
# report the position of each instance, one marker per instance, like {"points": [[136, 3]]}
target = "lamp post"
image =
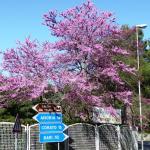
{"points": [[140, 26]]}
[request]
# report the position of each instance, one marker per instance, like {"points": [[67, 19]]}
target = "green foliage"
{"points": [[24, 109], [145, 72], [147, 56]]}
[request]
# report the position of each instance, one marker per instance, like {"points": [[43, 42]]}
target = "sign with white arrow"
{"points": [[52, 137], [36, 107], [48, 117], [57, 127], [47, 107]]}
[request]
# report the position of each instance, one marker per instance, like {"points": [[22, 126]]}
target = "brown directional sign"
{"points": [[47, 107]]}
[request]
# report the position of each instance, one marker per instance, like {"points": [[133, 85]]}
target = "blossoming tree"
{"points": [[88, 58], [28, 71], [85, 58]]}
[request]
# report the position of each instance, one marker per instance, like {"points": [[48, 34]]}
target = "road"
{"points": [[146, 145]]}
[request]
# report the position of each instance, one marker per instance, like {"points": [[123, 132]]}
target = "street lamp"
{"points": [[140, 26], [147, 45]]}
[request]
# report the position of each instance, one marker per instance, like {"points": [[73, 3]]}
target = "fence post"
{"points": [[16, 141], [29, 142], [119, 137], [96, 137], [27, 131]]}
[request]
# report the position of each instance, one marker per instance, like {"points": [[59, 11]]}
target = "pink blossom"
{"points": [[82, 59]]}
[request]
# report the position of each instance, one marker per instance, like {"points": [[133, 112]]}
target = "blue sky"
{"points": [[22, 18]]}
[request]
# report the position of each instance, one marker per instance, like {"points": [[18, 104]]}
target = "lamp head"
{"points": [[142, 26], [147, 45]]}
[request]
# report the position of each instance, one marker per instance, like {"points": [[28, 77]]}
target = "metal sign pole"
{"points": [[42, 147], [58, 146]]}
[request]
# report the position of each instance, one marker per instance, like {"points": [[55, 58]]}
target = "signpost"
{"points": [[50, 123]]}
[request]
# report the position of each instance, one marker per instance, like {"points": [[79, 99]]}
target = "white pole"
{"points": [[96, 137], [119, 137], [139, 87], [42, 146], [16, 141], [27, 131], [58, 146], [29, 137]]}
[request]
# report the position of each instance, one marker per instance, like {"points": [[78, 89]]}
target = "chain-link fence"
{"points": [[81, 137], [128, 139], [10, 141]]}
